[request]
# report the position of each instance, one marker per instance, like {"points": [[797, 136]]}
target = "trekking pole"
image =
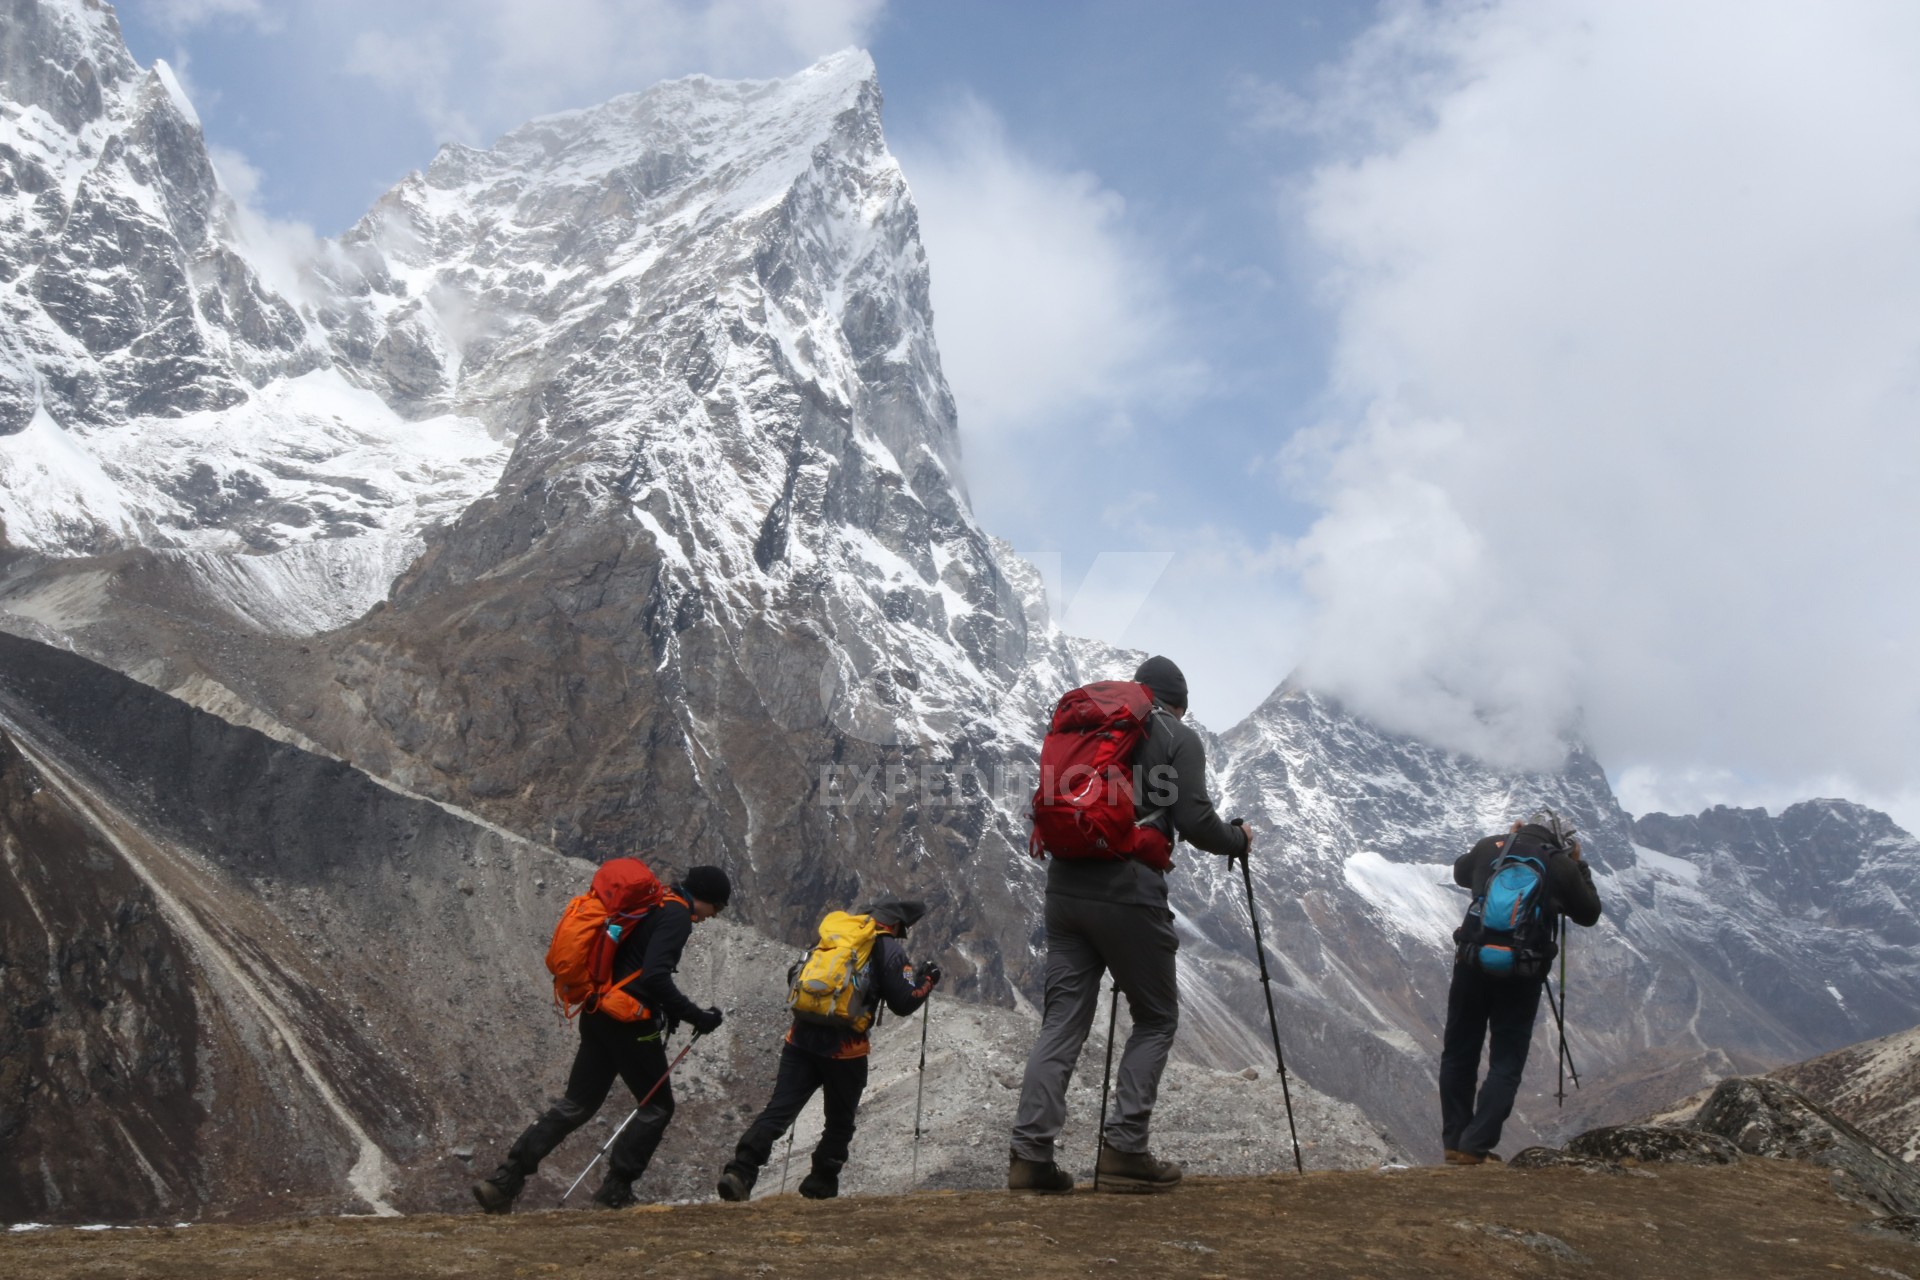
{"points": [[1106, 1078], [1566, 1053], [926, 1016], [1273, 1021], [786, 1165], [1560, 1091], [629, 1120]]}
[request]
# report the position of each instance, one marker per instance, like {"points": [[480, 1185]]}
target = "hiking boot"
{"points": [[1043, 1176], [1135, 1171], [614, 1193], [498, 1190], [820, 1185], [1463, 1157], [736, 1182]]}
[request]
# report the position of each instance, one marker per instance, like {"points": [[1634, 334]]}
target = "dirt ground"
{"points": [[1757, 1219]]}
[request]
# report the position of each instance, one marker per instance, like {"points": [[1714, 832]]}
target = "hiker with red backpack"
{"points": [[1522, 883], [613, 958], [835, 991], [1120, 777]]}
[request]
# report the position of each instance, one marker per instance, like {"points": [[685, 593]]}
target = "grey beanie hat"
{"points": [[1164, 678]]}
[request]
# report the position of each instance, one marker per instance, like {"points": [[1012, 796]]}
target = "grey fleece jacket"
{"points": [[1169, 774]]}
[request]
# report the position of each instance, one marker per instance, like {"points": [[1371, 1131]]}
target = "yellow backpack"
{"points": [[834, 983]]}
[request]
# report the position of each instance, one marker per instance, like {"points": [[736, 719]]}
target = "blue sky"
{"points": [[1511, 368]]}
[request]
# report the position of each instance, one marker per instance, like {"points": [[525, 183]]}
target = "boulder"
{"points": [[1647, 1144], [1764, 1117], [1555, 1158]]}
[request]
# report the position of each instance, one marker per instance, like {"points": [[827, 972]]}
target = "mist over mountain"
{"points": [[599, 492]]}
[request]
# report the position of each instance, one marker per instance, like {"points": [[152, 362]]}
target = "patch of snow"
{"points": [[1678, 869], [1412, 895], [54, 494], [307, 588]]}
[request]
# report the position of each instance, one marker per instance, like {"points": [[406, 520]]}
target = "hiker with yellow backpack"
{"points": [[613, 956], [836, 992]]}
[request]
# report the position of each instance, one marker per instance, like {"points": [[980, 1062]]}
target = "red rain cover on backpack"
{"points": [[1083, 807], [580, 957]]}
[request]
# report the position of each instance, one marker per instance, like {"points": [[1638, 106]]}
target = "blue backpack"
{"points": [[1508, 932]]}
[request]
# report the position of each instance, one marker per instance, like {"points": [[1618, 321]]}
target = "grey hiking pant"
{"points": [[1135, 943]]}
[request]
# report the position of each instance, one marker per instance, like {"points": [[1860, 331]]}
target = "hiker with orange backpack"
{"points": [[1120, 775], [613, 958], [835, 992]]}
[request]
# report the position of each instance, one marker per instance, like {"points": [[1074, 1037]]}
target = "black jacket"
{"points": [[1570, 888], [653, 946], [893, 976], [1169, 775]]}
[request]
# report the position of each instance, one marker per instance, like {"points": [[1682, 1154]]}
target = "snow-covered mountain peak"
{"points": [[715, 124]]}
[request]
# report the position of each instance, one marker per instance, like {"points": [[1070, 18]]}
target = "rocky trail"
{"points": [[1755, 1218]]}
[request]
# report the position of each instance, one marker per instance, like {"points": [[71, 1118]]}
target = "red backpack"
{"points": [[1083, 807], [580, 957]]}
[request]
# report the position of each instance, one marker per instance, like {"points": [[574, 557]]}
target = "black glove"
{"points": [[928, 978], [705, 1020]]}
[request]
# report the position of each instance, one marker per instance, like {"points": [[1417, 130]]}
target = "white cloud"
{"points": [[281, 250], [1059, 333], [1630, 363], [182, 14], [1044, 302], [1226, 611], [1054, 318]]}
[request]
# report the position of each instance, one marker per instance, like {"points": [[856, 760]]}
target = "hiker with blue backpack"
{"points": [[1523, 883], [836, 991]]}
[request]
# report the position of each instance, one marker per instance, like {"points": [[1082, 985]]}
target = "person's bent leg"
{"points": [[1510, 1013], [641, 1051], [798, 1077], [1072, 996], [1465, 1033], [842, 1081], [589, 1079]]}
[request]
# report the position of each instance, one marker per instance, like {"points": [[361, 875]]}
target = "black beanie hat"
{"points": [[709, 884], [1160, 675], [897, 914]]}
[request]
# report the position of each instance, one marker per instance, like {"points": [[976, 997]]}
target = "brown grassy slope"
{"points": [[1757, 1219]]}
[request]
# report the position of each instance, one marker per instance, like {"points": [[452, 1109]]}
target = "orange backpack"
{"points": [[580, 957]]}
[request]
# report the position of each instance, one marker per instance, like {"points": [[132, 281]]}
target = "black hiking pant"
{"points": [[1482, 1010], [635, 1052], [841, 1081]]}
